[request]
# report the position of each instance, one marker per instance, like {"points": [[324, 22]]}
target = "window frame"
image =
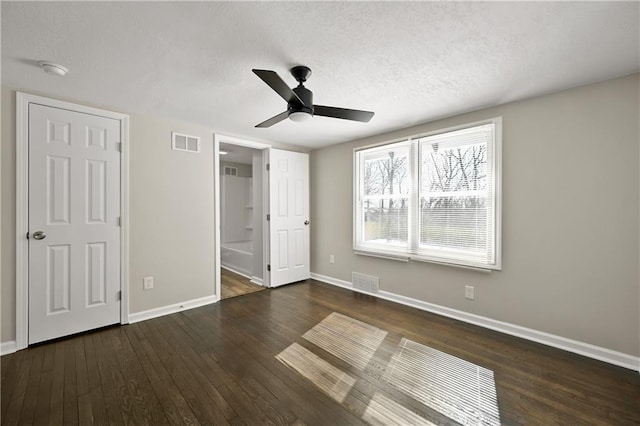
{"points": [[412, 250]]}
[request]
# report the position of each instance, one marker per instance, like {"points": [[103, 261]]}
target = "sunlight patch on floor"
{"points": [[458, 389], [384, 411], [331, 380], [351, 340]]}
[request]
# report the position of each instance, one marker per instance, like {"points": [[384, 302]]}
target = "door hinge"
{"points": [[119, 295], [119, 220], [27, 235], [269, 267], [268, 167], [268, 216], [119, 146]]}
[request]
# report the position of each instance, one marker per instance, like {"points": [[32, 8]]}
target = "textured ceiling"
{"points": [[409, 62]]}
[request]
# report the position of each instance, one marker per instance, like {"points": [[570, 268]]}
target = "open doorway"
{"points": [[275, 243], [242, 236]]}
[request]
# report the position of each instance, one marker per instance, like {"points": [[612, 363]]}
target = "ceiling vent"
{"points": [[182, 142]]}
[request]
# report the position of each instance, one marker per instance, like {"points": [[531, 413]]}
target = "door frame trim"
{"points": [[22, 205], [265, 148]]}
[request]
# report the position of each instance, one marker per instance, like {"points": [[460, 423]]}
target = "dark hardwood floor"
{"points": [[217, 365], [233, 284]]}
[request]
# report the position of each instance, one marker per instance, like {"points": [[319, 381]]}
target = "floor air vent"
{"points": [[365, 283]]}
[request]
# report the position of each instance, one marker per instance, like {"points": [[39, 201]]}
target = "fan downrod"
{"points": [[301, 73]]}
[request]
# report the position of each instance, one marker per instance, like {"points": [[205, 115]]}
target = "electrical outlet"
{"points": [[469, 292], [332, 259], [147, 283]]}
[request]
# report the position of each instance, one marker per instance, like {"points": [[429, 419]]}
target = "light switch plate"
{"points": [[147, 283]]}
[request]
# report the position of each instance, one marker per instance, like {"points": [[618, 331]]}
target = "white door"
{"points": [[74, 234], [289, 210]]}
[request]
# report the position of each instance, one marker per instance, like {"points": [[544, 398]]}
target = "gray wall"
{"points": [[244, 170], [171, 214], [570, 219], [171, 220]]}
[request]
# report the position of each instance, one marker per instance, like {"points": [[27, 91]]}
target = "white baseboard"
{"points": [[236, 272], [171, 309], [251, 278], [8, 347], [586, 349]]}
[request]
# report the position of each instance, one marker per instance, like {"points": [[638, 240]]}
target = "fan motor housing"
{"points": [[306, 96]]}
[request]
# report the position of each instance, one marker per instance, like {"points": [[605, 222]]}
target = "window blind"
{"points": [[456, 205]]}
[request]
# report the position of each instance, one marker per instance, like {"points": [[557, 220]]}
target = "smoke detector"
{"points": [[53, 68]]}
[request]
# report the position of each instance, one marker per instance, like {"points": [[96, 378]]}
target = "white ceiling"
{"points": [[410, 62]]}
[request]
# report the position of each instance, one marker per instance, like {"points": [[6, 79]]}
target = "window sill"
{"points": [[382, 255], [407, 257], [479, 268]]}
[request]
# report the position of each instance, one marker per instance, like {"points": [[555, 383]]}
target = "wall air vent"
{"points": [[182, 142], [230, 171], [365, 283]]}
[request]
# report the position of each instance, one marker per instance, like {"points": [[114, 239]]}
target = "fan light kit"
{"points": [[299, 116], [53, 68], [300, 105]]}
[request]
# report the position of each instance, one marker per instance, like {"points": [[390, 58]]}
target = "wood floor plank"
{"points": [[233, 284], [70, 403], [220, 411], [33, 385], [85, 410], [109, 384], [56, 401], [218, 365], [82, 375], [11, 415], [98, 407], [145, 404], [43, 398], [189, 387], [169, 397], [43, 393]]}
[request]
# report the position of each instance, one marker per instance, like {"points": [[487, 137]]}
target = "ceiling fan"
{"points": [[300, 105]]}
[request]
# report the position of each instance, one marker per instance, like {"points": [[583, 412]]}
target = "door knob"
{"points": [[306, 222], [39, 235]]}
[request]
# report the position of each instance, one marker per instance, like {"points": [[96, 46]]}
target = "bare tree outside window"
{"points": [[386, 189], [453, 195]]}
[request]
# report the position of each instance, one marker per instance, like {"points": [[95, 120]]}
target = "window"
{"points": [[433, 198]]}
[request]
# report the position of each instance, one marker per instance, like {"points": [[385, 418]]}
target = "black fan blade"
{"points": [[274, 81], [344, 113], [274, 120]]}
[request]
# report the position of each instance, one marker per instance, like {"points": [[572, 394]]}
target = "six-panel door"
{"points": [[289, 209], [74, 205]]}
